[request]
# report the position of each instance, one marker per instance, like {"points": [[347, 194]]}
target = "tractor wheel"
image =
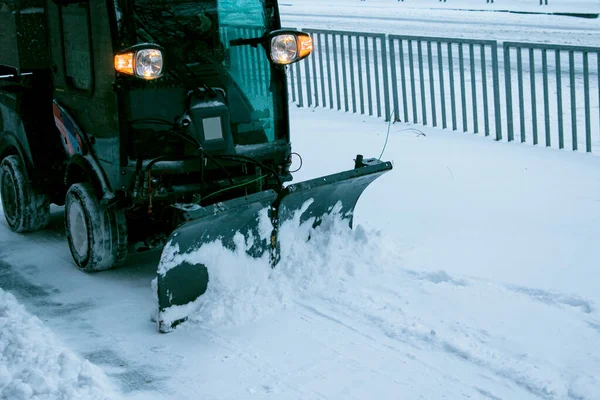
{"points": [[97, 235], [24, 208]]}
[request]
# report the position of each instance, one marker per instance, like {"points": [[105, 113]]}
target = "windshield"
{"points": [[197, 34]]}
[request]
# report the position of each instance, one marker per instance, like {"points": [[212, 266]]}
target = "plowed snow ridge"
{"points": [[35, 365]]}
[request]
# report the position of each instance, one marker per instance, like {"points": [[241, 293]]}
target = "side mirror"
{"points": [[283, 46]]}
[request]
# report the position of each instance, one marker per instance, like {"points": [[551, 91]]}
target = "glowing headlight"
{"points": [[143, 63], [149, 63], [284, 49], [287, 48]]}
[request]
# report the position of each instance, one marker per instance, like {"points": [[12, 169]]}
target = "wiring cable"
{"points": [[234, 187], [387, 136]]}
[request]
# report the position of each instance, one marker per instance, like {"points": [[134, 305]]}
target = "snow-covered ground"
{"points": [[432, 18], [472, 274], [35, 365]]}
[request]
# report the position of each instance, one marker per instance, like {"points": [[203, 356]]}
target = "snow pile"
{"points": [[34, 365], [243, 289], [334, 255]]}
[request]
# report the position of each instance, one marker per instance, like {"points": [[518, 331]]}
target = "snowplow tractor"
{"points": [[157, 124]]}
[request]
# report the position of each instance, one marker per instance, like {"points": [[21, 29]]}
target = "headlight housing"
{"points": [[288, 47], [142, 61]]}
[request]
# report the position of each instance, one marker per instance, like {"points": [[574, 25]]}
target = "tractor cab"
{"points": [[146, 79], [179, 101]]}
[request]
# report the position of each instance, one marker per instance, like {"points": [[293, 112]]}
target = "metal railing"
{"points": [[566, 69], [348, 71], [447, 69], [457, 84]]}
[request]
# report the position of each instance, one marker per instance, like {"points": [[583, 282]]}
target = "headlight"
{"points": [[289, 47], [149, 63], [145, 63]]}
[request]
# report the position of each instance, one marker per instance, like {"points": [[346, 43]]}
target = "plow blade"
{"points": [[345, 187], [181, 280]]}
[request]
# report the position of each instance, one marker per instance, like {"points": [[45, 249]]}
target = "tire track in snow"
{"points": [[555, 298], [516, 369], [42, 300], [264, 367]]}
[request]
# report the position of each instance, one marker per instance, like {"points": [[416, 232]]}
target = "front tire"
{"points": [[97, 235], [24, 208]]}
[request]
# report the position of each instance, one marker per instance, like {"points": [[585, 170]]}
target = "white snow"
{"points": [[35, 365], [432, 18], [472, 281], [472, 272]]}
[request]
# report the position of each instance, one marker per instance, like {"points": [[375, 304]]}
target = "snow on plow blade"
{"points": [[181, 282]]}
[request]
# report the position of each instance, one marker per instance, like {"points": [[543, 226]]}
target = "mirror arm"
{"points": [[254, 42]]}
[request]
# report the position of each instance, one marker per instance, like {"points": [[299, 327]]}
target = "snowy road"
{"points": [[482, 283], [429, 18]]}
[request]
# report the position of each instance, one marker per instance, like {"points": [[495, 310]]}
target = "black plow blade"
{"points": [[182, 280], [344, 187]]}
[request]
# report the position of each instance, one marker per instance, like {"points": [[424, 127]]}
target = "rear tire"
{"points": [[97, 235], [25, 209]]}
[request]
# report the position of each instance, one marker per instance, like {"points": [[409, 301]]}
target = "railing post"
{"points": [[329, 80], [546, 98], [412, 80], [534, 125], [452, 89], [586, 93], [314, 72], [308, 82], [300, 91], [337, 73], [394, 81], [403, 81], [508, 84], [463, 89], [484, 83], [442, 84], [574, 143], [344, 74], [368, 69], [473, 89], [422, 82], [319, 35], [559, 100], [292, 78], [496, 83], [431, 83], [386, 80], [521, 94]]}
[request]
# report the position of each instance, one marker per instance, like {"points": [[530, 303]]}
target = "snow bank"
{"points": [[35, 365]]}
